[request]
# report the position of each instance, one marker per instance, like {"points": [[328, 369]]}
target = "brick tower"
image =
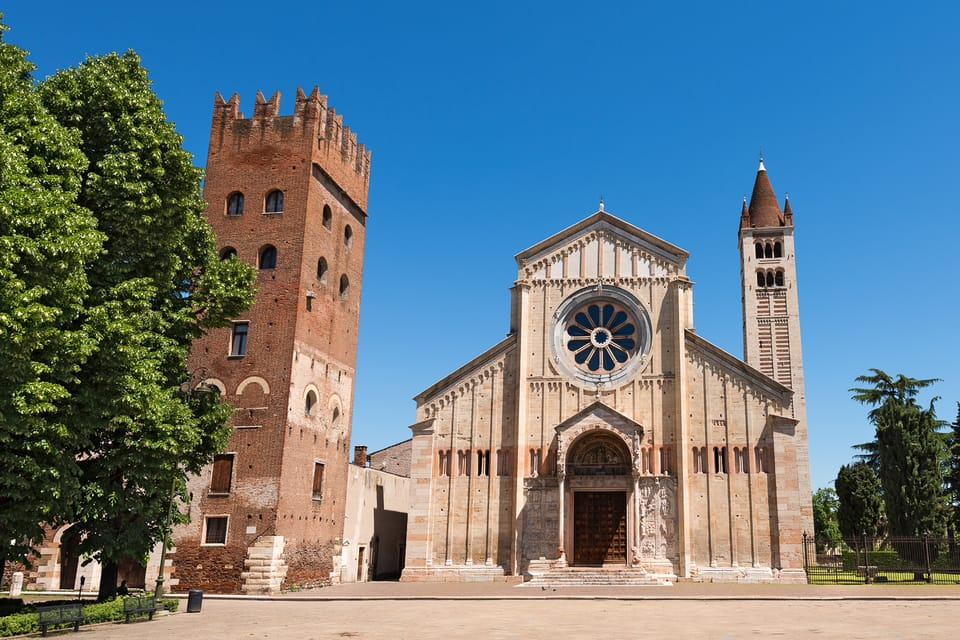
{"points": [[771, 331], [287, 194]]}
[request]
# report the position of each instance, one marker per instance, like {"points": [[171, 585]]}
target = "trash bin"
{"points": [[194, 600]]}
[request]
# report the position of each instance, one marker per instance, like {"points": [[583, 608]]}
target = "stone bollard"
{"points": [[16, 584]]}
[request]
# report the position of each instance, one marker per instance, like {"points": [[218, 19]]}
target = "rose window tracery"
{"points": [[601, 337]]}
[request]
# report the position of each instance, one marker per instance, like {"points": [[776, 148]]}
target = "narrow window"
{"points": [[322, 270], [235, 204], [327, 216], [535, 458], [335, 420], [483, 462], [238, 341], [274, 202], [768, 251], [444, 463], [719, 459], [310, 296], [310, 403], [228, 252], [347, 236], [666, 461], [761, 281], [770, 278], [760, 453], [216, 533], [344, 286], [318, 481], [778, 279], [222, 473], [268, 257], [759, 248], [777, 250]]}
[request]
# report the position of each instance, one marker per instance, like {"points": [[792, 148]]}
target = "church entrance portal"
{"points": [[600, 527]]}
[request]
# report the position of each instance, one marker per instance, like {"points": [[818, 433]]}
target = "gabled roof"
{"points": [[603, 220], [602, 410], [481, 360]]}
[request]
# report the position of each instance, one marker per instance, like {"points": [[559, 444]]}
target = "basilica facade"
{"points": [[604, 431]]}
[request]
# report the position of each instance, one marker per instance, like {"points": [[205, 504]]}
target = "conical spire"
{"points": [[787, 211], [764, 210]]}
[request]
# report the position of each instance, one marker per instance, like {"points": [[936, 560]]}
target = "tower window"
{"points": [[235, 204], [310, 402], [322, 270], [317, 480], [327, 216], [222, 473], [768, 251], [719, 459], [216, 530], [228, 252], [777, 250], [344, 286], [778, 278], [759, 248], [238, 339], [268, 257], [335, 420], [274, 202], [503, 462], [347, 236], [770, 280], [761, 280]]}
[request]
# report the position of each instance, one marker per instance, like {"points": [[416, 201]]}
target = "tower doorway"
{"points": [[600, 527]]}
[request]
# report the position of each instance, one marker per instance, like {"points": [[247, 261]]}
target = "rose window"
{"points": [[601, 337]]}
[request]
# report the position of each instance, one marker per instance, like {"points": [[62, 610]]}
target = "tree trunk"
{"points": [[109, 571]]}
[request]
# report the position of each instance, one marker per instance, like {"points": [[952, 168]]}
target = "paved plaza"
{"points": [[493, 611]]}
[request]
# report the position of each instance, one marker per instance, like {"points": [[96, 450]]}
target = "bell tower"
{"points": [[771, 314]]}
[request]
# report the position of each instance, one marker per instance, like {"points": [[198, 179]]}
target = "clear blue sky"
{"points": [[495, 124]]}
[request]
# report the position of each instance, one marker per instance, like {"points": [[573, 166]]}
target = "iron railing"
{"points": [[894, 560]]}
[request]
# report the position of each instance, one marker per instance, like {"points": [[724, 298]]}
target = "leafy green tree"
{"points": [[826, 525], [859, 503], [45, 240], [910, 451], [952, 474], [141, 419]]}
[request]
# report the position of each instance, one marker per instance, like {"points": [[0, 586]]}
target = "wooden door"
{"points": [[600, 527]]}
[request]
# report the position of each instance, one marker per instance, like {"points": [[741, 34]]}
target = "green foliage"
{"points": [[859, 503], [952, 474], [18, 624], [910, 452], [825, 519], [96, 612], [141, 419], [881, 559], [46, 237]]}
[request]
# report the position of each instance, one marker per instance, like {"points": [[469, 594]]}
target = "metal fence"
{"points": [[890, 560]]}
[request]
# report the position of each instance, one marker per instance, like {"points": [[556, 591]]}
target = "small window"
{"points": [[344, 286], [770, 280], [238, 340], [760, 455], [228, 252], [327, 216], [535, 460], [322, 270], [483, 462], [222, 473], [463, 463], [759, 248], [347, 236], [443, 466], [761, 280], [666, 461], [768, 251], [310, 403], [700, 460], [741, 460], [235, 204], [274, 202], [268, 257], [503, 462], [777, 250], [317, 480], [719, 459], [335, 420], [778, 278], [216, 533]]}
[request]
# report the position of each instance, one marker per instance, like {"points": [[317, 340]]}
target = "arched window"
{"points": [[347, 235], [344, 286], [228, 252], [335, 420], [327, 216], [322, 270], [761, 281], [778, 278], [759, 248], [274, 203], [777, 250], [268, 257], [770, 281], [768, 251], [310, 402], [235, 204]]}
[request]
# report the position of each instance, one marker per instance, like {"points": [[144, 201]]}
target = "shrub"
{"points": [[94, 612], [18, 624]]}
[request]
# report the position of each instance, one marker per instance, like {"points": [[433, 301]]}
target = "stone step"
{"points": [[579, 577]]}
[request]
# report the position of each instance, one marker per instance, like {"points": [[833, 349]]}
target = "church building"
{"points": [[605, 432]]}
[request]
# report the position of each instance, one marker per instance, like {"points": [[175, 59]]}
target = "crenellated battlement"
{"points": [[333, 146]]}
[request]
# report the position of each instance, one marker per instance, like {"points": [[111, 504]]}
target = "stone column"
{"points": [[562, 525], [635, 546]]}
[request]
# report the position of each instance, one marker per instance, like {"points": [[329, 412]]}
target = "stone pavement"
{"points": [[495, 611]]}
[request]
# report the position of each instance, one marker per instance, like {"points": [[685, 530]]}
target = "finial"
{"points": [[762, 168], [601, 202]]}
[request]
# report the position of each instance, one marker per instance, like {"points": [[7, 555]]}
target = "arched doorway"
{"points": [[69, 558], [600, 472]]}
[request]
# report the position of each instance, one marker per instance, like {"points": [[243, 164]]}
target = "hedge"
{"points": [[27, 620]]}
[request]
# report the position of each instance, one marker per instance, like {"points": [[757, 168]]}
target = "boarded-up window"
{"points": [[317, 480], [222, 473], [216, 530]]}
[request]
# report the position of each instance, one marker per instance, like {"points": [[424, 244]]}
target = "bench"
{"points": [[56, 614], [138, 605], [869, 571]]}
